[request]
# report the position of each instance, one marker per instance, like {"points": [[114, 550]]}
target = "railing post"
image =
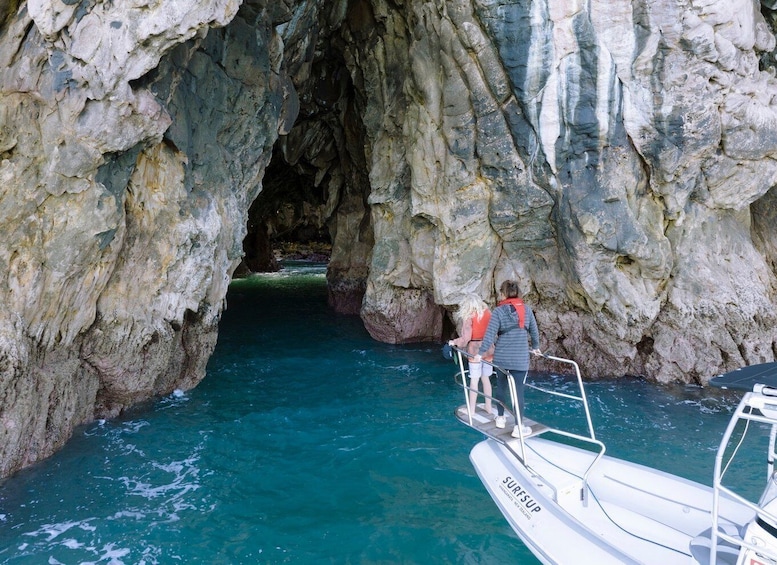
{"points": [[466, 385], [517, 411]]}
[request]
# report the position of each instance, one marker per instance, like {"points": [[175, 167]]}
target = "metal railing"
{"points": [[758, 407], [462, 380]]}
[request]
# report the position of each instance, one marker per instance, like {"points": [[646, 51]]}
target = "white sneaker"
{"points": [[500, 422], [526, 431]]}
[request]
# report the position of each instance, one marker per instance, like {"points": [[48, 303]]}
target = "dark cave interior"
{"points": [[285, 220]]}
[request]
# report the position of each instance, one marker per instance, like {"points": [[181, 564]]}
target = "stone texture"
{"points": [[616, 157], [609, 155], [134, 138]]}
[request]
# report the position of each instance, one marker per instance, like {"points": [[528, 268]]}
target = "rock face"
{"points": [[133, 142], [616, 157]]}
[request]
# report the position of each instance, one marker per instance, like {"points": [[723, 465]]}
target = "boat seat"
{"points": [[727, 553]]}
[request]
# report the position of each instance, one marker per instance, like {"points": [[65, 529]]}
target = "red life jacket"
{"points": [[479, 325], [520, 309]]}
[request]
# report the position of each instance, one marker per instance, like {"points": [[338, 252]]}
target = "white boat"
{"points": [[571, 504]]}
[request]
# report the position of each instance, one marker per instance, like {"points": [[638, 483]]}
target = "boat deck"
{"points": [[485, 423], [617, 517], [609, 511]]}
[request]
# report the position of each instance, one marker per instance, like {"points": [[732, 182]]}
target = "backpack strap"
{"points": [[520, 310]]}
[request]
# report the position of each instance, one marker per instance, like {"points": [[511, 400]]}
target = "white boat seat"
{"points": [[727, 553]]}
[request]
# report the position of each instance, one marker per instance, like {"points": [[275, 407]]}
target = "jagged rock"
{"points": [[605, 157], [615, 157], [133, 140]]}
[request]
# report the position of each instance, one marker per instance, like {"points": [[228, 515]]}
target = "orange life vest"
{"points": [[479, 325], [520, 309]]}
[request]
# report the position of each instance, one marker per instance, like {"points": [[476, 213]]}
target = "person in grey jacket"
{"points": [[512, 325]]}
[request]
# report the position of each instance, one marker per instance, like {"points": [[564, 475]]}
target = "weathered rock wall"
{"points": [[616, 157], [133, 142]]}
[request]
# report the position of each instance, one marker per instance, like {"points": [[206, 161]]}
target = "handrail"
{"points": [[461, 355], [749, 401], [591, 438], [582, 398], [464, 372], [716, 533]]}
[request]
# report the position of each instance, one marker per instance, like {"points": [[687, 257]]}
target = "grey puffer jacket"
{"points": [[512, 343]]}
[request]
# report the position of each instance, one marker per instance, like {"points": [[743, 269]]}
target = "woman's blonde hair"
{"points": [[470, 305]]}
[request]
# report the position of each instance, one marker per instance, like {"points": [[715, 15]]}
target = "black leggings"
{"points": [[503, 391]]}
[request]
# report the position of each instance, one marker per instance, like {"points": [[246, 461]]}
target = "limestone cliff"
{"points": [[616, 157], [134, 138]]}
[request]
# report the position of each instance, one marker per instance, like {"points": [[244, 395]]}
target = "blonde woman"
{"points": [[472, 320]]}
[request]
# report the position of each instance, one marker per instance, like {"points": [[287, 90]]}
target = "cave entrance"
{"points": [[287, 220], [315, 193]]}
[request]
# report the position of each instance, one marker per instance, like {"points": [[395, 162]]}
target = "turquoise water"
{"points": [[310, 443]]}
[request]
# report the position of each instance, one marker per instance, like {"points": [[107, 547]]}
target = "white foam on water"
{"points": [[135, 514], [53, 531], [70, 543]]}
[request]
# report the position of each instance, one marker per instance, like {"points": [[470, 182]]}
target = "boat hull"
{"points": [[630, 513]]}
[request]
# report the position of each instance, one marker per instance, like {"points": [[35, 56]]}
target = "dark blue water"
{"points": [[310, 443]]}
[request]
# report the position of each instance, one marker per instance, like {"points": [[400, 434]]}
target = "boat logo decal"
{"points": [[522, 499]]}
